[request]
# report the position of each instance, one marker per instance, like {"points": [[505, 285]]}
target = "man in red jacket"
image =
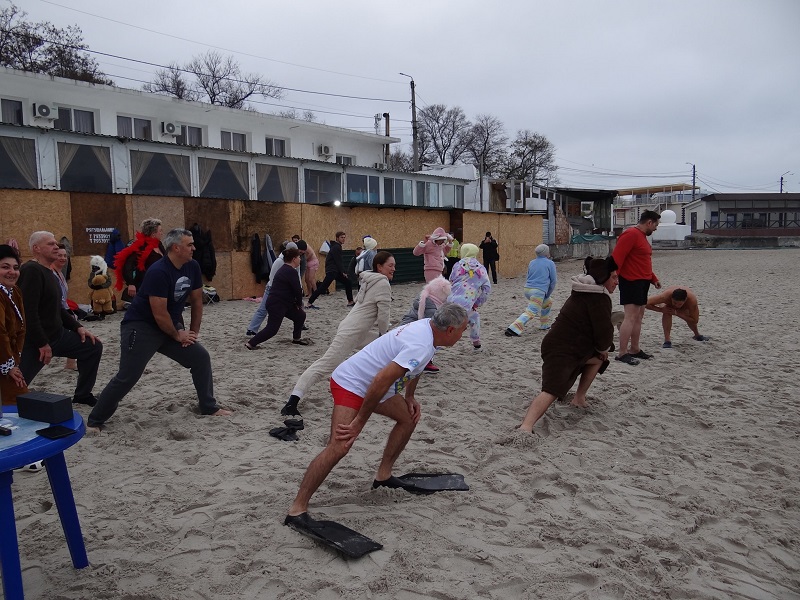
{"points": [[634, 257]]}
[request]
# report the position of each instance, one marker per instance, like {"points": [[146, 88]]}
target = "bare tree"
{"points": [[447, 130], [172, 81], [400, 160], [213, 78], [531, 159], [488, 145], [292, 113], [44, 48]]}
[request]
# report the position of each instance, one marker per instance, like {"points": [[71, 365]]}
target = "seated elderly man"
{"points": [[51, 329], [680, 302], [579, 341]]}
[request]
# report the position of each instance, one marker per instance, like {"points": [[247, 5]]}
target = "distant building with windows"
{"points": [[61, 134], [752, 214], [631, 203]]}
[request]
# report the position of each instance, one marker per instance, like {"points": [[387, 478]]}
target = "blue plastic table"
{"points": [[24, 453]]}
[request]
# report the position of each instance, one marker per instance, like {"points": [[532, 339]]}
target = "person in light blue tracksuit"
{"points": [[539, 287]]}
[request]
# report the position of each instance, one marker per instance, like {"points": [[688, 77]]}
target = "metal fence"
{"points": [[752, 224]]}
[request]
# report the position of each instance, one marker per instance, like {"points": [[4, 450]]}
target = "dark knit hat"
{"points": [[600, 269]]}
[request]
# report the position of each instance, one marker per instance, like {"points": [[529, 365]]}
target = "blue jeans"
{"points": [[261, 312]]}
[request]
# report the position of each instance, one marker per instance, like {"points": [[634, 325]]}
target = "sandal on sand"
{"points": [[36, 467], [701, 338], [642, 354], [249, 347], [627, 359]]}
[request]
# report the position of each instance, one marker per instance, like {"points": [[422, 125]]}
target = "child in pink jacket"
{"points": [[433, 250]]}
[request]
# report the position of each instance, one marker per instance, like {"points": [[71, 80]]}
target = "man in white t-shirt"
{"points": [[381, 378]]}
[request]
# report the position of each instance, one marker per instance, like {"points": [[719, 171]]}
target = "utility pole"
{"points": [[694, 178], [415, 142], [787, 173], [386, 146]]}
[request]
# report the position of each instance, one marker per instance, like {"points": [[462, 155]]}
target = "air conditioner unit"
{"points": [[380, 166], [45, 111], [324, 150], [170, 128]]}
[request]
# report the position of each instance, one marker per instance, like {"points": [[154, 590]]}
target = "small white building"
{"points": [[68, 135], [745, 214]]}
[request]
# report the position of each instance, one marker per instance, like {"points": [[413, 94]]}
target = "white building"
{"points": [[62, 134]]}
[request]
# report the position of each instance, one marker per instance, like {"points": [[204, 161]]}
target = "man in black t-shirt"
{"points": [[154, 323]]}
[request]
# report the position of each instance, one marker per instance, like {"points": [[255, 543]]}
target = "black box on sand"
{"points": [[44, 407]]}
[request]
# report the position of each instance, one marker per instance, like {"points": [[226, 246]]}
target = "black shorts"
{"points": [[633, 292]]}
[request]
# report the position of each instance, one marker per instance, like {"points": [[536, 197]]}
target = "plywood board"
{"points": [[169, 209], [210, 214], [26, 211], [93, 218]]}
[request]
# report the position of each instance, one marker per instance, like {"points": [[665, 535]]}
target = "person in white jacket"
{"points": [[355, 331]]}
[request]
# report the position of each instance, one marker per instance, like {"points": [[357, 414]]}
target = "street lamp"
{"points": [[415, 147]]}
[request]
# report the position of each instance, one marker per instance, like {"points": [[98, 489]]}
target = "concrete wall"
{"points": [[233, 223], [717, 241], [581, 251]]}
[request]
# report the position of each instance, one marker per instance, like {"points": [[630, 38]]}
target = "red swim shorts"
{"points": [[343, 397]]}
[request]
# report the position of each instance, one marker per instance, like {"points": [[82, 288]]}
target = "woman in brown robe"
{"points": [[12, 327], [579, 340]]}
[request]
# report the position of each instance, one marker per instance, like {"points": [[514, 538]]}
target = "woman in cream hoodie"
{"points": [[371, 309]]}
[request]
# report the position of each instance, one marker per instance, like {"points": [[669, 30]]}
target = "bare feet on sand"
{"points": [[222, 412], [579, 402]]}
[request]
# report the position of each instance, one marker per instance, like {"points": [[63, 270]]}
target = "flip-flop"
{"points": [[642, 354], [36, 467]]}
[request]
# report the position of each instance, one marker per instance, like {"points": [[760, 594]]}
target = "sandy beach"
{"points": [[681, 481]]}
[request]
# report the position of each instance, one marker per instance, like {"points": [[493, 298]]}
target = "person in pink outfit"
{"points": [[433, 250]]}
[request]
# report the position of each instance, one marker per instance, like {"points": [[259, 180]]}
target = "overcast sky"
{"points": [[628, 91]]}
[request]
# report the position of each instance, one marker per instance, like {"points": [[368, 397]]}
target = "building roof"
{"points": [[652, 189], [755, 200], [587, 195]]}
